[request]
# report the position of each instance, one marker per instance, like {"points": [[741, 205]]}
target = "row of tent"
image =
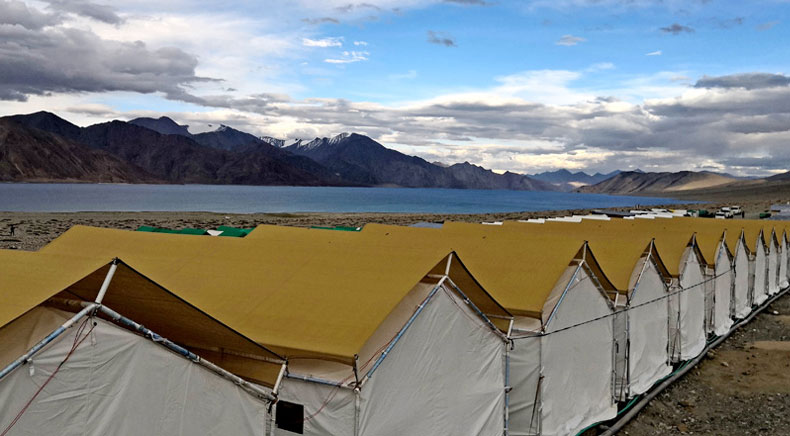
{"points": [[219, 231], [521, 328]]}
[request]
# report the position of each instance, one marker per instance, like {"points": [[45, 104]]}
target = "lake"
{"points": [[65, 197]]}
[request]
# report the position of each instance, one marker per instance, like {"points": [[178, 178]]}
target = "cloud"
{"points": [[468, 2], [600, 66], [729, 23], [349, 57], [18, 13], [68, 60], [321, 20], [677, 29], [535, 120], [357, 6], [744, 80], [360, 43], [569, 40], [767, 26], [323, 42], [96, 11], [654, 53], [441, 39], [411, 74]]}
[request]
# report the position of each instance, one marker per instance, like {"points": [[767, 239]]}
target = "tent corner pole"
{"points": [[406, 326], [172, 346], [280, 375], [25, 358], [107, 279]]}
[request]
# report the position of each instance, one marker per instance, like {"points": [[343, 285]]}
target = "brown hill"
{"points": [[658, 183], [28, 154]]}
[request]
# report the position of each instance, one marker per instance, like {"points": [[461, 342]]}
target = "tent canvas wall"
{"points": [[783, 259], [758, 263], [118, 382], [773, 263], [528, 276], [641, 325], [682, 259], [93, 393], [714, 239], [335, 312]]}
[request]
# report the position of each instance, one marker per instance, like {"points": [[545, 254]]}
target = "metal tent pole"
{"points": [[51, 337]]}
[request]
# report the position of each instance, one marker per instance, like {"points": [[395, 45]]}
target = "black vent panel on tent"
{"points": [[290, 417]]}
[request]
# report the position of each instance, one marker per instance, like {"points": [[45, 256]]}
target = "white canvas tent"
{"points": [[774, 259], [783, 260], [754, 239], [640, 325], [684, 264], [107, 375], [548, 284], [377, 341]]}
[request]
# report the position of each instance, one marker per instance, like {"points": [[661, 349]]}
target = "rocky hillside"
{"points": [[569, 181], [28, 154], [165, 150], [658, 183], [176, 158], [362, 160]]}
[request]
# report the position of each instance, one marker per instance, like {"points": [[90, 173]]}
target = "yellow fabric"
{"points": [[751, 232], [616, 251], [519, 270], [316, 297], [28, 279]]}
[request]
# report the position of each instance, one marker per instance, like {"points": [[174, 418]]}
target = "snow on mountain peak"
{"points": [[273, 141], [339, 138]]}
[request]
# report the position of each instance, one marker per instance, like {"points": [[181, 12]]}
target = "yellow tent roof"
{"points": [[28, 279], [302, 297], [751, 232], [519, 271], [617, 252]]}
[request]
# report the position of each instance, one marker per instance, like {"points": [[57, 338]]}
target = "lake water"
{"points": [[63, 197]]}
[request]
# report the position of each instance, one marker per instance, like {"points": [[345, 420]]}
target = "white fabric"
{"points": [[691, 310], [773, 270], [118, 383], [524, 377], [741, 288], [783, 282], [709, 285], [621, 354], [328, 410], [444, 376], [760, 289], [648, 334], [722, 320], [577, 363]]}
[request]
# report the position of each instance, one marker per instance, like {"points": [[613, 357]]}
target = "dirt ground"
{"points": [[743, 388]]}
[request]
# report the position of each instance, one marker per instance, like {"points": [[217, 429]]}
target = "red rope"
{"points": [[77, 342]]}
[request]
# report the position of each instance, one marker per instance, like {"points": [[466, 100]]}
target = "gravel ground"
{"points": [[741, 388]]}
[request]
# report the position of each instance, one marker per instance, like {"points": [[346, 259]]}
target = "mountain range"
{"points": [[44, 147], [568, 181], [147, 150], [632, 182]]}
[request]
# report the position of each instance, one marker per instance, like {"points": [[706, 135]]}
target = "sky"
{"points": [[523, 86]]}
